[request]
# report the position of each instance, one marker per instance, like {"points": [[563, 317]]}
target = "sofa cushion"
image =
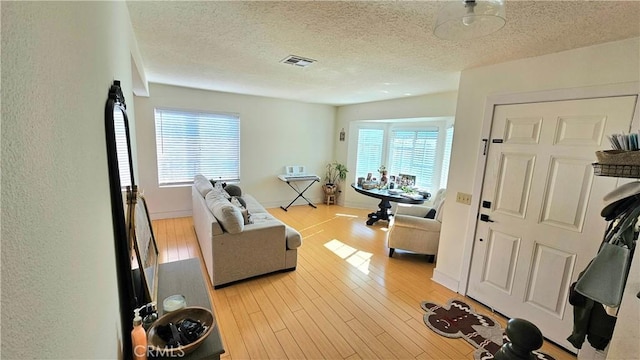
{"points": [[228, 215], [253, 205], [202, 184], [294, 239]]}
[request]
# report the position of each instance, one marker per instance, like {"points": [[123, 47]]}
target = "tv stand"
{"points": [[185, 277]]}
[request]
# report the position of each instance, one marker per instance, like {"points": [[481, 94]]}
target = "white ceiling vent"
{"points": [[297, 61]]}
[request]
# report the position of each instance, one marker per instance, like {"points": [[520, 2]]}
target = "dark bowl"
{"points": [[158, 346]]}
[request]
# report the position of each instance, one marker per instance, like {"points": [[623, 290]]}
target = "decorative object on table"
{"points": [[334, 175], [457, 319], [360, 181], [407, 180], [138, 338], [173, 303], [180, 332], [368, 185], [383, 174]]}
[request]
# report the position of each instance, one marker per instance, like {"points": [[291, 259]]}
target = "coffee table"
{"points": [[386, 198]]}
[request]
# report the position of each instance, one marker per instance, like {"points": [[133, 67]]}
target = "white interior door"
{"points": [[542, 203]]}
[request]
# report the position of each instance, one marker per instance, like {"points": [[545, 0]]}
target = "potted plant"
{"points": [[335, 174]]}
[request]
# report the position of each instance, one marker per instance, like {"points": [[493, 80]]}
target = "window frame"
{"points": [[206, 142], [442, 124]]}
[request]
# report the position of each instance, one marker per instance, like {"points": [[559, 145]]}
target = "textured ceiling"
{"points": [[365, 50]]}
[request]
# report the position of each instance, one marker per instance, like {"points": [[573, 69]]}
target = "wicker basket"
{"points": [[624, 171], [618, 157]]}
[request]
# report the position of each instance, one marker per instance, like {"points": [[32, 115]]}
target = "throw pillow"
{"points": [[219, 191], [203, 186], [233, 190], [239, 202], [229, 216], [431, 214], [247, 217]]}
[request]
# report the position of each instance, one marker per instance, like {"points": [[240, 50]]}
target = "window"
{"points": [[122, 149], [446, 157], [369, 156], [413, 152], [190, 143], [419, 149]]}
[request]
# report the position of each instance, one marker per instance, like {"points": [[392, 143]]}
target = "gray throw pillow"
{"points": [[233, 190], [431, 214]]}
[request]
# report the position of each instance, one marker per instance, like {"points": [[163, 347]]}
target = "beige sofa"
{"points": [[411, 230], [234, 249]]}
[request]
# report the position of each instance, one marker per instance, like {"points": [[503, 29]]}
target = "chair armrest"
{"points": [[418, 223], [412, 210]]}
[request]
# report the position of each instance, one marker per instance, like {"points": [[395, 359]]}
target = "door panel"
{"points": [[523, 130], [514, 183], [580, 130], [567, 193], [502, 255], [550, 276], [545, 207]]}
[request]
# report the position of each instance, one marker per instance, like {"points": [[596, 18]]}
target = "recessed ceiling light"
{"points": [[297, 61]]}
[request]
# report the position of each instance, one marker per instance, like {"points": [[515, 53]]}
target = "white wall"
{"points": [[59, 288], [273, 133], [441, 105], [610, 63]]}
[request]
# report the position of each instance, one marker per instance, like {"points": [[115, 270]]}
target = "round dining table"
{"points": [[384, 207]]}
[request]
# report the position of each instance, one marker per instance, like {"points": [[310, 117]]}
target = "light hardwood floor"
{"points": [[346, 300]]}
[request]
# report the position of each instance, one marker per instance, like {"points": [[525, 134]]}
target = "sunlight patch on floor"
{"points": [[346, 215], [357, 258]]}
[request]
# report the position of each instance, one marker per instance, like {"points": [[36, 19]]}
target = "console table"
{"points": [[185, 277], [385, 202]]}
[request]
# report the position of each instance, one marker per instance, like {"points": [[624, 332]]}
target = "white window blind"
{"points": [[190, 143], [413, 152], [446, 157], [370, 147], [121, 149]]}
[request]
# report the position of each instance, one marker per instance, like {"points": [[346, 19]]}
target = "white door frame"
{"points": [[621, 89]]}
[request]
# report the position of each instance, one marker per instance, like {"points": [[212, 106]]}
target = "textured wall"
{"points": [[59, 290], [273, 132]]}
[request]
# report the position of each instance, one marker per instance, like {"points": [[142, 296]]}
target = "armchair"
{"points": [[411, 230]]}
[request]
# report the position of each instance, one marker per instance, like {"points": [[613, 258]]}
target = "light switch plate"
{"points": [[463, 198]]}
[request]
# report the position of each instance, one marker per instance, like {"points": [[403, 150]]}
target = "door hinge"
{"points": [[486, 143]]}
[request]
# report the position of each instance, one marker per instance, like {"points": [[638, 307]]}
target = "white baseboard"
{"points": [[445, 280], [170, 214]]}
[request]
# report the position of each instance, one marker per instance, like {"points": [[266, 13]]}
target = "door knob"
{"points": [[485, 218]]}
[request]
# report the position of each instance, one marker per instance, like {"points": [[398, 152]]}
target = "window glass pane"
{"points": [[413, 152], [121, 148], [446, 157], [191, 143], [369, 156]]}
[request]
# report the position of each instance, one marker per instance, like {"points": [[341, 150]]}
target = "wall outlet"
{"points": [[463, 198]]}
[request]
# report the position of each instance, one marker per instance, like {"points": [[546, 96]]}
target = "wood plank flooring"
{"points": [[346, 300]]}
